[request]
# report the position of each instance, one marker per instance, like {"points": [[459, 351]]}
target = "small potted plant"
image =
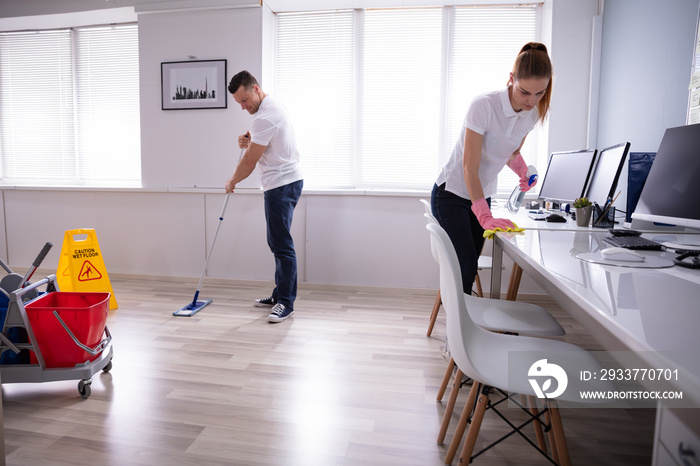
{"points": [[584, 208]]}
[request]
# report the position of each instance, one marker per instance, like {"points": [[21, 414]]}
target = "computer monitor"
{"points": [[603, 182], [671, 194], [567, 174]]}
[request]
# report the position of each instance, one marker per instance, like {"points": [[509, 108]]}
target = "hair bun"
{"points": [[534, 46]]}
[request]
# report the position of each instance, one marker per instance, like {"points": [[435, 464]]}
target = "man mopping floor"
{"points": [[270, 144]]}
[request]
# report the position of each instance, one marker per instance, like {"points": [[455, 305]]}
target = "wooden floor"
{"points": [[350, 379]]}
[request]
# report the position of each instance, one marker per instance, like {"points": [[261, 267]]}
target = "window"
{"points": [[69, 107], [378, 96], [315, 79], [488, 40]]}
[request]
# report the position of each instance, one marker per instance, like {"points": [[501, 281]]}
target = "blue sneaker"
{"points": [[279, 312], [265, 302]]}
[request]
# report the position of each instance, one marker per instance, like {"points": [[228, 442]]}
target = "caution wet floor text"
{"points": [[81, 267]]}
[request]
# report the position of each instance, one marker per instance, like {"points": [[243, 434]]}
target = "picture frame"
{"points": [[193, 84]]}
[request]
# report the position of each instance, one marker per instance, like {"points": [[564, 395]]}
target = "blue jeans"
{"points": [[455, 216], [279, 209]]}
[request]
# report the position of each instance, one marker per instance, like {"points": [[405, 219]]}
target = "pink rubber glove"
{"points": [[481, 209], [519, 166]]}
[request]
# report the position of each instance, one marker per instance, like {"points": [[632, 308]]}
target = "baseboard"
{"points": [[44, 272]]}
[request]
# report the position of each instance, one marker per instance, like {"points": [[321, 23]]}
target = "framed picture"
{"points": [[193, 84]]}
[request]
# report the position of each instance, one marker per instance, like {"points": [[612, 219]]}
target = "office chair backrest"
{"points": [[433, 245], [426, 205], [467, 340]]}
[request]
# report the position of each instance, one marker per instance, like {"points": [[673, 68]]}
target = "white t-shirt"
{"points": [[492, 116], [271, 127]]}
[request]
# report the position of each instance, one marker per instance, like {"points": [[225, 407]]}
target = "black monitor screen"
{"points": [[567, 174], [607, 172], [671, 193]]}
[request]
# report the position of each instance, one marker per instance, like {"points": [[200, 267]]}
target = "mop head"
{"points": [[192, 308], [488, 234]]}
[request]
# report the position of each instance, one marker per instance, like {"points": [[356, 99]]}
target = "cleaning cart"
{"points": [[66, 336], [13, 282]]}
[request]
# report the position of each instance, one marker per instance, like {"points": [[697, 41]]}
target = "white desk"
{"points": [[522, 220], [642, 310]]}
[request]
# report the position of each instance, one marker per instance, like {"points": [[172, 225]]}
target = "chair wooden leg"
{"points": [[559, 437], [450, 407], [552, 439], [479, 290], [514, 284], [433, 316], [539, 432], [475, 425], [510, 282], [446, 379], [462, 425]]}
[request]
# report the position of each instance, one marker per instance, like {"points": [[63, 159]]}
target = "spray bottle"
{"points": [[516, 197]]}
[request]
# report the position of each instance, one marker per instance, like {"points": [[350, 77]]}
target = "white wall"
{"points": [[194, 148], [348, 239], [150, 233], [571, 57], [647, 55], [133, 229]]}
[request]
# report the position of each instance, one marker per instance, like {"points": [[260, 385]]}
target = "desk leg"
{"points": [[496, 265]]}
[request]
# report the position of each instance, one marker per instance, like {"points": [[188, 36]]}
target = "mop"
{"points": [[195, 306]]}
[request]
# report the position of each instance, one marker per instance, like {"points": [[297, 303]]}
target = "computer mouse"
{"points": [[555, 218], [622, 254]]}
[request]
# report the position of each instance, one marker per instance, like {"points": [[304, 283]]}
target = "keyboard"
{"points": [[634, 242]]}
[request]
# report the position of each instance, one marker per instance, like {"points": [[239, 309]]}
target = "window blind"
{"points": [[377, 96], [107, 68], [402, 56], [315, 80], [69, 107], [485, 42], [36, 106]]}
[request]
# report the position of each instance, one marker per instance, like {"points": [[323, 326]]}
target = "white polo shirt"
{"points": [[503, 129], [271, 127]]}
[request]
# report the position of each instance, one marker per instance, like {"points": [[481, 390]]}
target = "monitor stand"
{"points": [[671, 236], [645, 225]]}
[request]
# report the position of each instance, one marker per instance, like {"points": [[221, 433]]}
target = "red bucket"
{"points": [[85, 314]]}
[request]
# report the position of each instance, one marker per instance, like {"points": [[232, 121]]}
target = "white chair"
{"points": [[483, 356], [497, 316], [505, 316], [485, 263]]}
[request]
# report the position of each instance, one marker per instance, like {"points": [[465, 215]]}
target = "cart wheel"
{"points": [[84, 388], [108, 367]]}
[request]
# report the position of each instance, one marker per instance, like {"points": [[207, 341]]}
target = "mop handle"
{"points": [[211, 248], [37, 262], [4, 266], [216, 233]]}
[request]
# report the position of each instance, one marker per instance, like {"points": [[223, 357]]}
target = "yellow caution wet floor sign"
{"points": [[81, 267]]}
